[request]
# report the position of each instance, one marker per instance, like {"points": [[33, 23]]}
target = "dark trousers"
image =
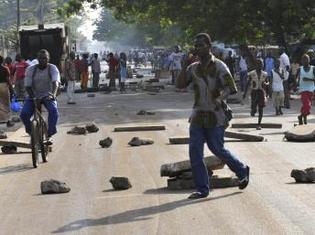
{"points": [[214, 137]]}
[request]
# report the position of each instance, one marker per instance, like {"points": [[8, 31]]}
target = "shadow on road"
{"points": [[136, 214], [15, 169], [165, 190]]}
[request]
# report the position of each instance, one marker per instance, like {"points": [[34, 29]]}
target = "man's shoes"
{"points": [[245, 180], [48, 141], [71, 102], [258, 127], [197, 195]]}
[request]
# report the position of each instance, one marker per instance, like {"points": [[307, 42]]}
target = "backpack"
{"points": [[49, 75]]}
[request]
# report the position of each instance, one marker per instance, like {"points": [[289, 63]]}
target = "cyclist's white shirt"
{"points": [[42, 82]]}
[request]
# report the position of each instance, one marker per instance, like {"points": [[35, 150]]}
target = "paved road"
{"points": [[272, 203]]}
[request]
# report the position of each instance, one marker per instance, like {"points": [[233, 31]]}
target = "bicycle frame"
{"points": [[38, 135]]}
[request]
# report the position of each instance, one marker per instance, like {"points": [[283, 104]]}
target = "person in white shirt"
{"points": [[243, 72], [175, 63], [285, 65], [278, 75]]}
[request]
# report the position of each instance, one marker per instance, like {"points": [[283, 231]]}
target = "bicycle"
{"points": [[39, 134]]}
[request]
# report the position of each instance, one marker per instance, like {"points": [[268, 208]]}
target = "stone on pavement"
{"points": [[77, 131], [15, 119], [3, 135], [215, 182], [136, 141], [91, 128], [120, 183], [53, 186], [140, 128], [255, 125], [106, 143], [144, 112], [301, 133], [304, 176], [175, 169], [227, 134], [9, 149]]}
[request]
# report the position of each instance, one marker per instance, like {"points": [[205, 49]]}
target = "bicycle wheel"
{"points": [[35, 143], [43, 138]]}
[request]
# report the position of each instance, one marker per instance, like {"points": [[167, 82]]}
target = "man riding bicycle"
{"points": [[41, 83]]}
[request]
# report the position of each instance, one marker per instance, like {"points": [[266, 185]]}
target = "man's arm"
{"points": [[247, 85], [227, 82], [55, 77]]}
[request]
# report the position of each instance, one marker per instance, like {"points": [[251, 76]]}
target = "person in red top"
{"points": [[113, 65], [19, 69], [5, 90]]}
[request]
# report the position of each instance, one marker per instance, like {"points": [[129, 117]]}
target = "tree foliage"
{"points": [[243, 21]]}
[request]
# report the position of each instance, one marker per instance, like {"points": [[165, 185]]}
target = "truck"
{"points": [[52, 37]]}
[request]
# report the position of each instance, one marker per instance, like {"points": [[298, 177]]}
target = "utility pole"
{"points": [[18, 23]]}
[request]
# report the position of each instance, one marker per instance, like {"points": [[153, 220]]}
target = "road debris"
{"points": [[304, 176], [9, 149], [91, 128], [106, 143], [77, 131], [120, 183], [53, 186], [301, 133], [136, 141]]}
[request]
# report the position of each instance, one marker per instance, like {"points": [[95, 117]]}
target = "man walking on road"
{"points": [[70, 74], [306, 81], [96, 70], [41, 82], [212, 84]]}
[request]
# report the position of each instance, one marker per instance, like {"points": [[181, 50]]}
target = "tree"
{"points": [[244, 21]]}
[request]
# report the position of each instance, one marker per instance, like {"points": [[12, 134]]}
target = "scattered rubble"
{"points": [[77, 131], [136, 141], [106, 143], [10, 123], [3, 135], [16, 119], [120, 183], [255, 125], [53, 186], [177, 168], [178, 183], [9, 149], [301, 133], [91, 128], [144, 112], [304, 176], [140, 128], [181, 177]]}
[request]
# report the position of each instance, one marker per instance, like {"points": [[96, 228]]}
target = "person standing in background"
{"points": [[306, 81], [175, 63], [96, 70], [6, 90], [84, 64], [243, 72], [285, 65], [70, 74], [19, 74], [123, 71]]}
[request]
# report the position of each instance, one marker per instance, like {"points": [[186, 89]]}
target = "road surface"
{"points": [[272, 203]]}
